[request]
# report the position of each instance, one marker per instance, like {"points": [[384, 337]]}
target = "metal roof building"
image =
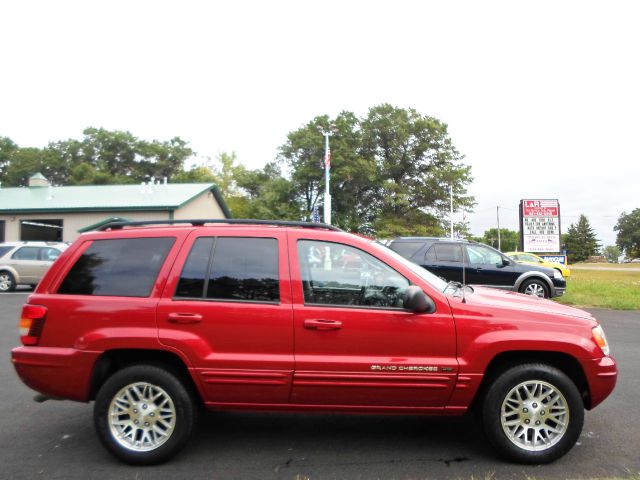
{"points": [[45, 212]]}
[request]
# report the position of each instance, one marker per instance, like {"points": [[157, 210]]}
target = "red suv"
{"points": [[154, 321]]}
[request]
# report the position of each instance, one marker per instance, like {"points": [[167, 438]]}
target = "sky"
{"points": [[542, 98]]}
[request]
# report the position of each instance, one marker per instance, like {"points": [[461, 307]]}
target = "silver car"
{"points": [[24, 263]]}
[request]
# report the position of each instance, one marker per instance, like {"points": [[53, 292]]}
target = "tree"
{"points": [[581, 241], [7, 150], [611, 253], [628, 238], [390, 171], [509, 239]]}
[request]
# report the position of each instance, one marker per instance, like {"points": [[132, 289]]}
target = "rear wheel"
{"points": [[535, 287], [144, 414], [7, 282], [533, 413]]}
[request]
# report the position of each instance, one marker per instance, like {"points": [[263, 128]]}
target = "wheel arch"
{"points": [[12, 271], [532, 276], [112, 361], [560, 360]]}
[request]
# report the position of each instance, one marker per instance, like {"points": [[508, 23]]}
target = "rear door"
{"points": [[227, 308], [354, 343], [445, 260]]}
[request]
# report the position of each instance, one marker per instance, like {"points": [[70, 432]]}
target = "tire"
{"points": [[7, 282], [509, 415], [536, 287], [163, 405]]}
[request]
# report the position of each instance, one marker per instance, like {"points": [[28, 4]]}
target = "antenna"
{"points": [[464, 276]]}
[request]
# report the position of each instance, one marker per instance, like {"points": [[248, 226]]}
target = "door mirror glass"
{"points": [[416, 301]]}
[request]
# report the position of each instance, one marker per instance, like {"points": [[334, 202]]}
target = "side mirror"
{"points": [[506, 262], [416, 301]]}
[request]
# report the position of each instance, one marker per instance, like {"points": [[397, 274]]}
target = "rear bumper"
{"points": [[56, 372], [602, 374]]}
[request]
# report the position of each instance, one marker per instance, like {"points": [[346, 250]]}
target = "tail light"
{"points": [[31, 323]]}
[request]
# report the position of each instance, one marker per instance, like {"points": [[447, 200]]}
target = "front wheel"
{"points": [[533, 413], [535, 288], [144, 414]]}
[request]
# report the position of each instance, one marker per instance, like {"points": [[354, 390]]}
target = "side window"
{"points": [[406, 249], [26, 253], [194, 272], [448, 252], [430, 256], [244, 269], [4, 250], [483, 255], [49, 254], [125, 267], [337, 274]]}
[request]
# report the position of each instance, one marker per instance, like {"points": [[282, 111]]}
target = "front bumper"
{"points": [[602, 374], [558, 291], [56, 372]]}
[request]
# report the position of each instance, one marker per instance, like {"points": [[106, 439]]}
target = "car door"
{"points": [[26, 261], [354, 343], [227, 308], [487, 267], [446, 261]]}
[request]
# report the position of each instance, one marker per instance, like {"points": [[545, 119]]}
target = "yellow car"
{"points": [[532, 259]]}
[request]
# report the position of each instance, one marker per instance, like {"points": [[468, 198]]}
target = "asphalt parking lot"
{"points": [[56, 439]]}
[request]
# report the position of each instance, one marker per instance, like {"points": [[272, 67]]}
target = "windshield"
{"points": [[437, 282]]}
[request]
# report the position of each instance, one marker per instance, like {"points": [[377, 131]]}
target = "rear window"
{"points": [[125, 267], [406, 249]]}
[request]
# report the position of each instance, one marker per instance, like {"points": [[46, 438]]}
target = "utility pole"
{"points": [[327, 168], [498, 216]]}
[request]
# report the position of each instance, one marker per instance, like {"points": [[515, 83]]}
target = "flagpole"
{"points": [[327, 168]]}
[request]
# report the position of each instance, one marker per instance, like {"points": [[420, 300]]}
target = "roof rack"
{"points": [[229, 221]]}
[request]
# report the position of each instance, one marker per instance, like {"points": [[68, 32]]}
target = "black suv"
{"points": [[483, 265]]}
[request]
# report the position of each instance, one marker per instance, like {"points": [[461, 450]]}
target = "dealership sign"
{"points": [[540, 226]]}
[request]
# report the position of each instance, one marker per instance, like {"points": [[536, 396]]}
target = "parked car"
{"points": [[532, 259], [151, 322], [24, 263], [478, 264]]}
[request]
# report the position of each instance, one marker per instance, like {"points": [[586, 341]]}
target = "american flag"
{"points": [[327, 159], [315, 215]]}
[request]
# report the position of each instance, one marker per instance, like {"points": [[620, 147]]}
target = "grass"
{"points": [[618, 290]]}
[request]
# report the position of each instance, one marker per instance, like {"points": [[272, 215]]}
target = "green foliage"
{"points": [[611, 253], [390, 171], [101, 157], [581, 241], [628, 238], [509, 239]]}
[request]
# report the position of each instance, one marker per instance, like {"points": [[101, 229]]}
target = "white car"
{"points": [[25, 263]]}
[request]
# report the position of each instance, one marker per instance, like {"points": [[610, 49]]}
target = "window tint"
{"points": [[26, 253], [336, 274], [4, 250], [449, 252], [483, 255], [194, 272], [49, 254], [406, 249], [125, 267], [244, 269]]}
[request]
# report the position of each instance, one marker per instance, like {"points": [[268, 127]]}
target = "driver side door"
{"points": [[354, 343]]}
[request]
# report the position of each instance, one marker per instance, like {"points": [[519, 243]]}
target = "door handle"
{"points": [[184, 318], [320, 324]]}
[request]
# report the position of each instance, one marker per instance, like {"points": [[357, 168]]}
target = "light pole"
{"points": [[327, 168]]}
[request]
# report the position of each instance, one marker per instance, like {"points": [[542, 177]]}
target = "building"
{"points": [[44, 212]]}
